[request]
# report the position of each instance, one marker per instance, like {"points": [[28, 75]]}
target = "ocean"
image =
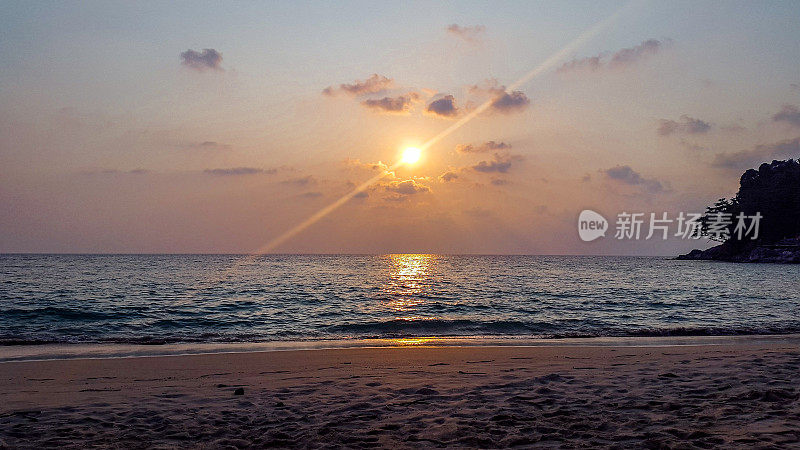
{"points": [[162, 299]]}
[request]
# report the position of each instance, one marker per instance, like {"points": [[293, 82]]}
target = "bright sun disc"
{"points": [[411, 155]]}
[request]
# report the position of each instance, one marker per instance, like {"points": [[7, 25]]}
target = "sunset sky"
{"points": [[215, 127]]}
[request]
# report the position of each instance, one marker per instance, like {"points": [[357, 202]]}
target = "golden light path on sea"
{"points": [[547, 64]]}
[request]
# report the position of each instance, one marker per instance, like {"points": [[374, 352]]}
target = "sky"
{"points": [[192, 127]]}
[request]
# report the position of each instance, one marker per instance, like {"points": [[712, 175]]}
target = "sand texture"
{"points": [[706, 396]]}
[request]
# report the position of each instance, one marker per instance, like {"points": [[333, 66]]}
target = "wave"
{"points": [[53, 312], [202, 329], [407, 329], [437, 327]]}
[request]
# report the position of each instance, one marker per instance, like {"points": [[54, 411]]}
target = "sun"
{"points": [[411, 155]]}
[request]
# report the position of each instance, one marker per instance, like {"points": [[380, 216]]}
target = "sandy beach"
{"points": [[742, 394]]}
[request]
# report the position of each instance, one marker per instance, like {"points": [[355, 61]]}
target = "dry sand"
{"points": [[705, 396]]}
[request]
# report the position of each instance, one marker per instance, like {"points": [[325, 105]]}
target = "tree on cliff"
{"points": [[773, 191]]}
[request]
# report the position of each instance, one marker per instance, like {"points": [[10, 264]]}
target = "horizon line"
{"points": [[312, 254]]}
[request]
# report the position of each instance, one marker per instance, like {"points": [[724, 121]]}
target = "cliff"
{"points": [[773, 192]]}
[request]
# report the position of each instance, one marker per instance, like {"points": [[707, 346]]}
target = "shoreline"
{"points": [[56, 352]]}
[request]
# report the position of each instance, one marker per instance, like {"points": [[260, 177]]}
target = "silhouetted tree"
{"points": [[728, 208]]}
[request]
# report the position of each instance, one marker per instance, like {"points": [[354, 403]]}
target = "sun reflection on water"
{"points": [[410, 342], [409, 281]]}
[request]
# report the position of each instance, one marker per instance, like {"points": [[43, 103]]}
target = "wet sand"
{"points": [[731, 395]]}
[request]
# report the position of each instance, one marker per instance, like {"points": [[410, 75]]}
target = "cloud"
{"points": [[116, 172], [628, 56], [746, 159], [239, 171], [622, 58], [486, 147], [301, 181], [448, 176], [356, 163], [499, 164], [590, 64], [444, 107], [397, 105], [685, 124], [311, 194], [515, 101], [626, 175], [499, 181], [471, 34], [207, 59], [789, 114], [503, 102], [372, 85], [406, 187]]}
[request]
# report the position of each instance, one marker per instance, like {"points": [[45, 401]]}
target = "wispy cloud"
{"points": [[789, 114], [393, 105], [589, 64], [619, 59], [313, 194], [685, 124], [759, 154], [116, 172], [234, 171], [207, 145], [372, 85], [471, 34], [208, 58], [626, 175], [301, 181], [628, 56], [504, 102], [500, 163], [486, 147]]}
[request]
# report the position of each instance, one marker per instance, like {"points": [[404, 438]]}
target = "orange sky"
{"points": [[120, 133]]}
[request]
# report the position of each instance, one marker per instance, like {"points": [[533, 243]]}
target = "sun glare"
{"points": [[411, 155]]}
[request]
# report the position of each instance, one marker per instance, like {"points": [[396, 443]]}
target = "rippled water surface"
{"points": [[219, 298]]}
